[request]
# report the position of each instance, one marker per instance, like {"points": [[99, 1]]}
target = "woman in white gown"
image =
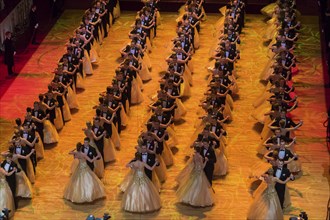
{"points": [[141, 195], [84, 186]]}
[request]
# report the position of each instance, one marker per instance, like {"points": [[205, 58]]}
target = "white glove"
{"points": [[36, 26]]}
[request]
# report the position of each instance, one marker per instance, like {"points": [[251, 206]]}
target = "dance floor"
{"points": [[309, 193]]}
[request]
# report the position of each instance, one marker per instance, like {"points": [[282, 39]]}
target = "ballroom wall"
{"points": [[169, 5], [307, 7]]}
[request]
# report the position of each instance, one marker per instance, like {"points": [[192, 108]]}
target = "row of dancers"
{"points": [[153, 150], [114, 104], [155, 142], [209, 139], [102, 136], [142, 185], [49, 114], [193, 185], [274, 110]]}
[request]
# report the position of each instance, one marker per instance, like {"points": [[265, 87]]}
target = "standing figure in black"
{"points": [[9, 53], [56, 7], [208, 152], [34, 24]]}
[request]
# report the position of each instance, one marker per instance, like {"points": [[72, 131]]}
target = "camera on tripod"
{"points": [[4, 215], [106, 216], [302, 216]]}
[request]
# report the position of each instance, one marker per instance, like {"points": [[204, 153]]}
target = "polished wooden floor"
{"points": [[309, 193]]}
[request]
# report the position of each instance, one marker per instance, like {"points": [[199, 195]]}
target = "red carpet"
{"points": [[25, 50]]}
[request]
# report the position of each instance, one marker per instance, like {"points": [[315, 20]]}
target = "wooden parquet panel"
{"points": [[310, 193]]}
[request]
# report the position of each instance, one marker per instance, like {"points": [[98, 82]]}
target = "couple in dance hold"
{"points": [[140, 189], [84, 186], [195, 180], [269, 198]]}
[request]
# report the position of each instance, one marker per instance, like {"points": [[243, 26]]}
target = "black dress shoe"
{"points": [[12, 75]]}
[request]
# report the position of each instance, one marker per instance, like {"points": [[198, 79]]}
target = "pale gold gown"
{"points": [[23, 184], [172, 139], [58, 120], [269, 9], [266, 204], [29, 170], [221, 166], [185, 90], [116, 10], [144, 73], [115, 137], [180, 111], [109, 150], [129, 176], [87, 69], [261, 167], [141, 195], [7, 200], [72, 98], [167, 155], [161, 170], [136, 94], [194, 187], [40, 151], [126, 181], [50, 133], [84, 185], [66, 110]]}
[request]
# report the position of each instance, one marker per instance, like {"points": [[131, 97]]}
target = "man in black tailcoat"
{"points": [[28, 133], [158, 133], [276, 139], [288, 122], [283, 174], [149, 159], [208, 152], [99, 133], [89, 151], [230, 54], [23, 151], [164, 118], [8, 165], [38, 117]]}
